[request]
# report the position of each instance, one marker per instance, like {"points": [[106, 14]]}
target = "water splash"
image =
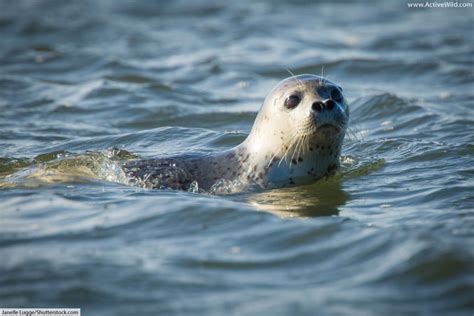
{"points": [[65, 167]]}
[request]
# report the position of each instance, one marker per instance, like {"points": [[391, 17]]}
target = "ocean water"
{"points": [[391, 233]]}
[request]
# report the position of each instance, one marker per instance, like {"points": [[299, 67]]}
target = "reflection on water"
{"points": [[320, 199]]}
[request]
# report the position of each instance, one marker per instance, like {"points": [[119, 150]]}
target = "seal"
{"points": [[296, 139]]}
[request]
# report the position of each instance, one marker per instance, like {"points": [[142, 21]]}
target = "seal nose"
{"points": [[330, 104], [318, 106]]}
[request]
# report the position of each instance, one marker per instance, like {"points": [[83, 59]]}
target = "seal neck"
{"points": [[269, 166]]}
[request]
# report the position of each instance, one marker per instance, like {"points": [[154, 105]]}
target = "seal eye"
{"points": [[336, 95], [292, 101]]}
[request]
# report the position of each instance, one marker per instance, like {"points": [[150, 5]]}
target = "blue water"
{"points": [[392, 233]]}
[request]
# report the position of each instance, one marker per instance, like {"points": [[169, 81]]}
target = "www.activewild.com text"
{"points": [[445, 4]]}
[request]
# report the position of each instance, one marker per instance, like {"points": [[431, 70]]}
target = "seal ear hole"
{"points": [[292, 101]]}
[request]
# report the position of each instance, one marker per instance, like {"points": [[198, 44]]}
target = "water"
{"points": [[392, 232]]}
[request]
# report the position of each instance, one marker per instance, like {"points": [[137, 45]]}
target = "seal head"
{"points": [[298, 133]]}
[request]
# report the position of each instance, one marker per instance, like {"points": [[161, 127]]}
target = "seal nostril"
{"points": [[330, 104], [318, 106]]}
